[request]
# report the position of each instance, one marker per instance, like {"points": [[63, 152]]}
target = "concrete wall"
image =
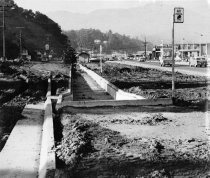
{"points": [[47, 164], [115, 92]]}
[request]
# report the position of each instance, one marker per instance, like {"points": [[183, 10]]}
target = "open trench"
{"points": [[16, 94]]}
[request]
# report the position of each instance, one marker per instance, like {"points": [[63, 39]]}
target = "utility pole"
{"points": [[145, 47], [3, 26], [4, 4], [20, 39]]}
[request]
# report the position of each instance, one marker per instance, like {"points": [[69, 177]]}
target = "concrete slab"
{"points": [[100, 103], [20, 156]]}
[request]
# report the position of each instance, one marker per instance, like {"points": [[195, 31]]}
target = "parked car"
{"points": [[139, 58], [165, 61], [142, 59], [94, 59], [199, 61]]}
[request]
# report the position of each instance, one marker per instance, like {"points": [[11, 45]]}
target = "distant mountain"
{"points": [[153, 20], [84, 39], [37, 30]]}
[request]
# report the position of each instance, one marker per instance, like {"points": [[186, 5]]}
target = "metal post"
{"points": [[20, 43], [3, 26], [182, 49], [206, 49], [101, 58], [145, 48], [173, 64]]}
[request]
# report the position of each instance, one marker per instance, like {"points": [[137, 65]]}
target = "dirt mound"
{"points": [[75, 144], [152, 119], [160, 174], [155, 119]]}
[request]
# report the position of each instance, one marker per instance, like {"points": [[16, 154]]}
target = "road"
{"points": [[182, 68]]}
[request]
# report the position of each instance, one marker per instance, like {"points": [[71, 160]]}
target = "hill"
{"points": [[153, 20], [84, 38], [38, 28]]}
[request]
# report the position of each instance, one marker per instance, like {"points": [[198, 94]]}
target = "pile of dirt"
{"points": [[152, 119], [6, 69], [160, 174], [60, 83], [155, 119], [76, 142]]}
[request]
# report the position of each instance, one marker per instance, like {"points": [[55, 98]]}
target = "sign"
{"points": [[47, 47], [178, 15]]}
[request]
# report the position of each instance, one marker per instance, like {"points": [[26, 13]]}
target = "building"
{"points": [[185, 50], [83, 57]]}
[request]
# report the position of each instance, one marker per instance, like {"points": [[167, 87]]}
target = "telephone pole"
{"points": [[145, 47], [4, 4], [20, 39]]}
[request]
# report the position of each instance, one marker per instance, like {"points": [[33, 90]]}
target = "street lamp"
{"points": [[100, 49]]}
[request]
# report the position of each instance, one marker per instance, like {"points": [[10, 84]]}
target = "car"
{"points": [[166, 61], [94, 59], [142, 59], [198, 61]]}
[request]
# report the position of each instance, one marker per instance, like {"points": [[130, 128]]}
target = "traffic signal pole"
{"points": [[178, 17]]}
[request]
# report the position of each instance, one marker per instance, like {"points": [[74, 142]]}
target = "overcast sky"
{"points": [[82, 6]]}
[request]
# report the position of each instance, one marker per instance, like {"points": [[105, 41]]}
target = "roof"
{"points": [[84, 53], [189, 50]]}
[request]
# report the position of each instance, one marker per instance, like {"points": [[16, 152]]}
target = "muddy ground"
{"points": [[15, 92], [133, 142], [136, 142], [152, 83]]}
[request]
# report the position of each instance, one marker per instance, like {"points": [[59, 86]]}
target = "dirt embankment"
{"points": [[26, 84], [152, 83], [103, 144]]}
